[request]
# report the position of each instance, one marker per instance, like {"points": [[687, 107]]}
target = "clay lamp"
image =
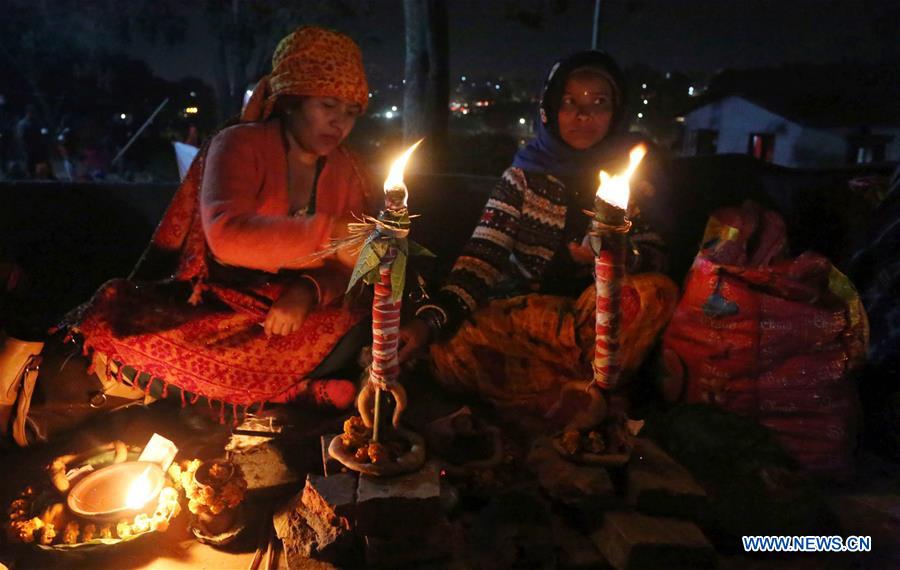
{"points": [[118, 491]]}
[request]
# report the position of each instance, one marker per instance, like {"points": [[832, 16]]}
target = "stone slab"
{"points": [[574, 549], [318, 522], [441, 541], [263, 464], [298, 538], [656, 484], [630, 540], [405, 504], [333, 497], [586, 488]]}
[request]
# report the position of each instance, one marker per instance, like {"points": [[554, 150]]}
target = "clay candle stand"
{"points": [[382, 263]]}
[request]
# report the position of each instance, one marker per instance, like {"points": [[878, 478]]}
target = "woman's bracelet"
{"points": [[316, 285], [434, 316]]}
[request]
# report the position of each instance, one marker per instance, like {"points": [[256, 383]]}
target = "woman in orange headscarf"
{"points": [[222, 305]]}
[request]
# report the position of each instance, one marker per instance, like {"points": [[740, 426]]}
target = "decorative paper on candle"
{"points": [[388, 231]]}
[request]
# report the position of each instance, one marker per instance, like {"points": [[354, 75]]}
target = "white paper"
{"points": [[159, 450]]}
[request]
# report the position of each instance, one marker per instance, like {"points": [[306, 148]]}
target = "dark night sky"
{"points": [[684, 35]]}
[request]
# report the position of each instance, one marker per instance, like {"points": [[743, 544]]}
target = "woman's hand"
{"points": [[582, 254], [414, 337], [290, 310]]}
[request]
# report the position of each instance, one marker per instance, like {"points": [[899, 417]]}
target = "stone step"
{"points": [[630, 540]]}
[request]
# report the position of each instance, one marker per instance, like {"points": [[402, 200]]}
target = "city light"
{"points": [[522, 120], [643, 85], [191, 110], [646, 102], [462, 78], [123, 116], [394, 108], [640, 115], [389, 115], [691, 90]]}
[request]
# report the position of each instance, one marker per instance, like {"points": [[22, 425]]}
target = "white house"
{"points": [[792, 129]]}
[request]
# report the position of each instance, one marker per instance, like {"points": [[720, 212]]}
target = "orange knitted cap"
{"points": [[311, 61]]}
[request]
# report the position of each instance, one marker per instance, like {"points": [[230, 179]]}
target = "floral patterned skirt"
{"points": [[209, 350], [521, 350]]}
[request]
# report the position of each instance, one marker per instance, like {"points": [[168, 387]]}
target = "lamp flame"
{"points": [[615, 189], [393, 184], [139, 491]]}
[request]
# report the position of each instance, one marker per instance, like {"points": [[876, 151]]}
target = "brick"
{"points": [[630, 540]]}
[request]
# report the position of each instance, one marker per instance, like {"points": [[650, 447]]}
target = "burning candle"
{"points": [[383, 263], [608, 241]]}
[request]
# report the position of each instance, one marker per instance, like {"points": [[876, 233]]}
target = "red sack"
{"points": [[771, 338]]}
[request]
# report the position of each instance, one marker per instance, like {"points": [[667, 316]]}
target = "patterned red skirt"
{"points": [[209, 350]]}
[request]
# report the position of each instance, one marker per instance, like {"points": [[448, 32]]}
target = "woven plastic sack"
{"points": [[771, 338]]}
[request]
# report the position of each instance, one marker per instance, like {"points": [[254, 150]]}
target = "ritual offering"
{"points": [[464, 443], [215, 490], [382, 263], [96, 499]]}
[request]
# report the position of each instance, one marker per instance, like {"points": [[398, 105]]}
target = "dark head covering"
{"points": [[548, 153]]}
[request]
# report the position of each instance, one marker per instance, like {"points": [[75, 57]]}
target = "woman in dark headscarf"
{"points": [[528, 248]]}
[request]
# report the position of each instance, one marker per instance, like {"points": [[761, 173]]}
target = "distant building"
{"points": [[799, 116]]}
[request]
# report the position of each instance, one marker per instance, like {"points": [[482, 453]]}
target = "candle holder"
{"points": [[595, 436], [382, 263]]}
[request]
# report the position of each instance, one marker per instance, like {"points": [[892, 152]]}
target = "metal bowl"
{"points": [[101, 495]]}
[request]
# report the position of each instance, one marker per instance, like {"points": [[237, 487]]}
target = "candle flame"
{"points": [[615, 189], [139, 491], [394, 180]]}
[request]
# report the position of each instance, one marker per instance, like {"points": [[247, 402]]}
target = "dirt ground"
{"points": [[497, 533]]}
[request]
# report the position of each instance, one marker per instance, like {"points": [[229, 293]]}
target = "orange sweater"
{"points": [[244, 204]]}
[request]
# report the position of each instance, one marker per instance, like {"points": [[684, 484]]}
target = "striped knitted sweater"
{"points": [[522, 228]]}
